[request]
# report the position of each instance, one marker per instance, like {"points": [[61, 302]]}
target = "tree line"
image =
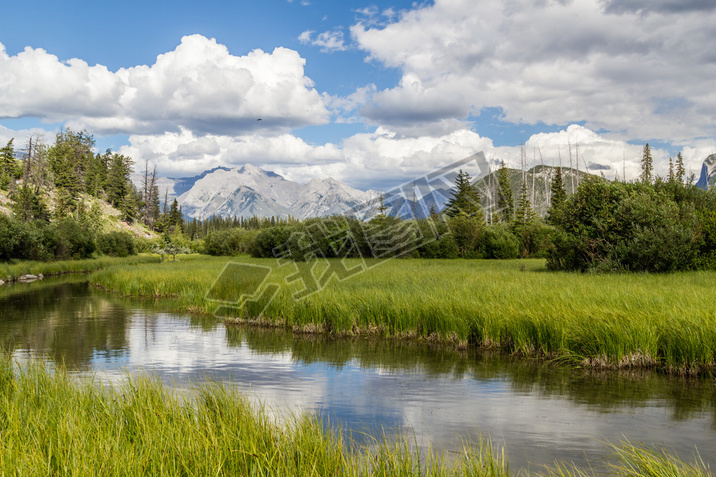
{"points": [[652, 224], [655, 224]]}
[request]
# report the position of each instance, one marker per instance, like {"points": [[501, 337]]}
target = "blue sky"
{"points": [[371, 93]]}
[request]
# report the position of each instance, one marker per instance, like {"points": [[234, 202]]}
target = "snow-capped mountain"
{"points": [[708, 172], [251, 191]]}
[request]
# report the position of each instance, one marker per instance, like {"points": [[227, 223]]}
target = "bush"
{"points": [[617, 226], [535, 239], [117, 244], [499, 242], [75, 241], [229, 242], [269, 239]]}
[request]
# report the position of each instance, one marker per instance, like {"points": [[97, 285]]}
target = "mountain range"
{"points": [[251, 191]]}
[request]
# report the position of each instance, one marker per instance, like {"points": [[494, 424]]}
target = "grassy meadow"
{"points": [[54, 424], [616, 320]]}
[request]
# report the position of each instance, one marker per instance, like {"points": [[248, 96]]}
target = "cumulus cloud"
{"points": [[646, 76], [363, 160], [185, 153], [199, 86], [328, 41]]}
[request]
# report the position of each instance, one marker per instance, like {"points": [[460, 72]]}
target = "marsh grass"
{"points": [[52, 423], [603, 321], [60, 267]]}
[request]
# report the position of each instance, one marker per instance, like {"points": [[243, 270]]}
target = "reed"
{"points": [[52, 423], [603, 321]]}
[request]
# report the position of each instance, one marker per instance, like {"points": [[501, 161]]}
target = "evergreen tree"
{"points": [[121, 193], [68, 159], [647, 166], [672, 176], [680, 171], [558, 196], [524, 213], [505, 202], [9, 166], [381, 206], [28, 205], [175, 219], [96, 180], [465, 198]]}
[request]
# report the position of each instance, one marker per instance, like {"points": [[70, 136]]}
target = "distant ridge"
{"points": [[249, 191]]}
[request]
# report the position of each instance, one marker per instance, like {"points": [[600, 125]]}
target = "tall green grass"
{"points": [[54, 424], [623, 320], [15, 270]]}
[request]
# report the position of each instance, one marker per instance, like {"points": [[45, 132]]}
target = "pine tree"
{"points": [[672, 177], [680, 171], [465, 198], [175, 216], [557, 196], [647, 166], [28, 205], [524, 213], [505, 202], [381, 206], [10, 168]]}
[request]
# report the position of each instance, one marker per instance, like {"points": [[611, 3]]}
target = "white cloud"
{"points": [[185, 153], [329, 41], [646, 76], [199, 86]]}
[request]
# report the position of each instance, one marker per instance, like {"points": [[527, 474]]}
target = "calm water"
{"points": [[542, 413]]}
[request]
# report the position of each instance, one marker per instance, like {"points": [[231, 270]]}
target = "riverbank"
{"points": [[659, 321], [53, 423], [10, 272]]}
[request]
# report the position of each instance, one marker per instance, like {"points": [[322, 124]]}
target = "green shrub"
{"points": [[618, 226], [499, 242], [229, 242], [117, 244], [75, 240]]}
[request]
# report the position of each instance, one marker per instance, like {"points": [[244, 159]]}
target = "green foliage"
{"points": [[42, 241], [617, 226], [229, 242], [466, 232], [120, 190], [647, 165], [465, 198], [535, 239], [28, 205], [269, 239], [498, 241], [116, 244], [75, 241], [505, 202], [9, 166], [558, 197], [68, 159], [524, 214]]}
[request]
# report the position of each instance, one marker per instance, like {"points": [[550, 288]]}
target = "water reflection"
{"points": [[64, 323], [541, 412]]}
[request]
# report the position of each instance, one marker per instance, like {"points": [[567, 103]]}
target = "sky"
{"points": [[370, 93]]}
